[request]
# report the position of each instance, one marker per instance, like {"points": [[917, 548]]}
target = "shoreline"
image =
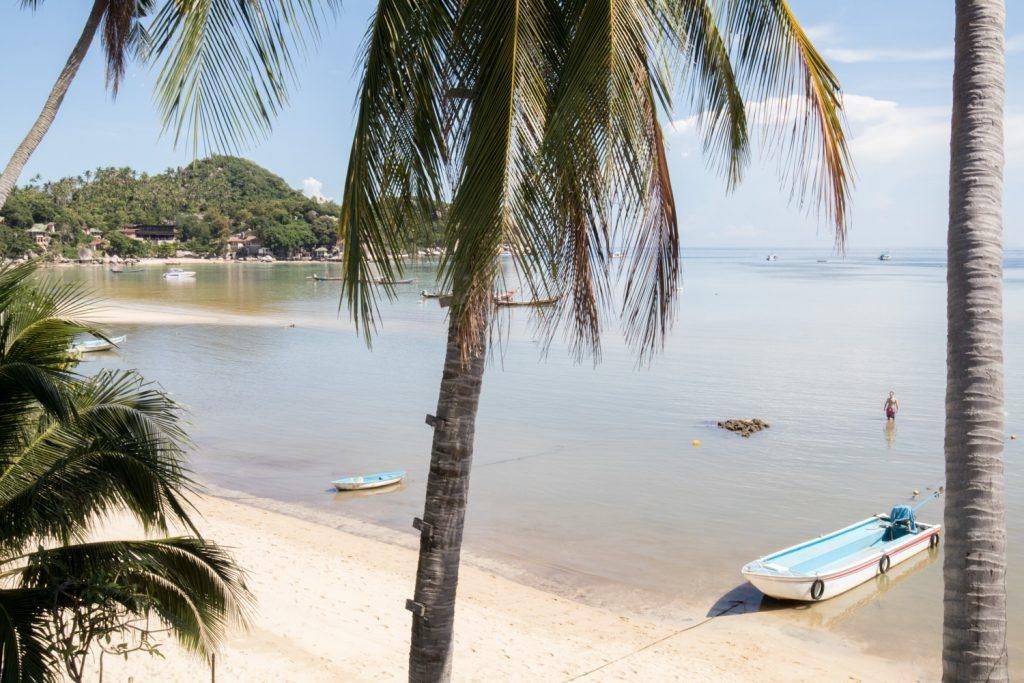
{"points": [[331, 591]]}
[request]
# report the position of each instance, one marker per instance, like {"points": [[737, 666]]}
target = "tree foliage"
{"points": [[75, 449]]}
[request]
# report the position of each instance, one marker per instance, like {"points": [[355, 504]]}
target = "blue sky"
{"points": [[894, 60]]}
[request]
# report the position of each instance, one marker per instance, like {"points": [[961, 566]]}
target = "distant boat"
{"points": [[532, 302], [98, 344], [178, 273], [370, 481], [323, 278], [384, 281], [884, 256], [823, 260], [616, 254], [433, 295], [834, 563], [771, 257]]}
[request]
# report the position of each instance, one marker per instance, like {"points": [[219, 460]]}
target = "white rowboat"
{"points": [[370, 481], [98, 344], [834, 563]]}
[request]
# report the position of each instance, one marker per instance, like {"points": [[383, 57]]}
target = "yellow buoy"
{"points": [[696, 442], [916, 492]]}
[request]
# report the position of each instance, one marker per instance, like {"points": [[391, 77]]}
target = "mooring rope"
{"points": [[734, 605]]}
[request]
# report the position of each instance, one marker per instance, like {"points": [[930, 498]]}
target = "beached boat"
{"points": [[98, 344], [885, 256], [433, 295], [178, 274], [532, 302], [323, 278], [370, 481], [834, 563]]}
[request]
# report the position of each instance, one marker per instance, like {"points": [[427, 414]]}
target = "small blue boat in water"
{"points": [[836, 562], [369, 481]]}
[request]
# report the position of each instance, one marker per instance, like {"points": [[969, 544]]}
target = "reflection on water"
{"points": [[587, 469], [890, 433]]}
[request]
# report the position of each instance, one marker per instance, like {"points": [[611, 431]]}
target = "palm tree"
{"points": [[73, 450], [974, 629], [540, 121], [227, 62]]}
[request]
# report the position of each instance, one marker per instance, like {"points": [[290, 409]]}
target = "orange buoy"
{"points": [[696, 442]]}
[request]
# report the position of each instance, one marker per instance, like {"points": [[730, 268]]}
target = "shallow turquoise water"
{"points": [[588, 473]]}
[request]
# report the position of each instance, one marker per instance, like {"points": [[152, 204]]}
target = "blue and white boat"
{"points": [[834, 563], [98, 344], [370, 481]]}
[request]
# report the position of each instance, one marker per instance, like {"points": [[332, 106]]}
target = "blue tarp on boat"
{"points": [[904, 514]]}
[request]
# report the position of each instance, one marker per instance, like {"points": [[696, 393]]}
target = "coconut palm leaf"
{"points": [[506, 55], [122, 450], [225, 65], [395, 172], [690, 30], [799, 103], [190, 584]]}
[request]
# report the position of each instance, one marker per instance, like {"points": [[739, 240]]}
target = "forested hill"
{"points": [[109, 198]]}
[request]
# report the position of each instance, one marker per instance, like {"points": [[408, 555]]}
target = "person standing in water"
{"points": [[891, 406]]}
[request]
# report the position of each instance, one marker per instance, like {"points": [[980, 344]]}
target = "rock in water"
{"points": [[744, 427]]}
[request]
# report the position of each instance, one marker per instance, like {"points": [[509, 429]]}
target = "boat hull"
{"points": [[373, 482], [842, 579]]}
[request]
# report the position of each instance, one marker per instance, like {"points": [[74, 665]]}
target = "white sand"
{"points": [[331, 608]]}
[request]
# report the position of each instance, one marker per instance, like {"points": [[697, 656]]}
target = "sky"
{"points": [[893, 59]]}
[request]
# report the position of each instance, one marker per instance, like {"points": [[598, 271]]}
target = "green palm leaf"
{"points": [[225, 65]]}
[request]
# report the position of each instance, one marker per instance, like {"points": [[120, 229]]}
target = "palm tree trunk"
{"points": [[35, 134], [974, 629], [430, 655]]}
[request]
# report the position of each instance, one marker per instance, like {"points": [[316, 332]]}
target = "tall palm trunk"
{"points": [[49, 112], [437, 576], [974, 629]]}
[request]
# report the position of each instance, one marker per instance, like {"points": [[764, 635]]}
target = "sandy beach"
{"points": [[330, 608]]}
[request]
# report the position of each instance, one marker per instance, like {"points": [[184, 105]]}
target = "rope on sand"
{"points": [[734, 605]]}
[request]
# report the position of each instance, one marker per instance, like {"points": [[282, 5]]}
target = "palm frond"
{"points": [[507, 63], [800, 103], [122, 450], [225, 65], [191, 585], [606, 156], [395, 173], [691, 29]]}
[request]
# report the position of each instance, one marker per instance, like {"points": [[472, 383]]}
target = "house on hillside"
{"points": [[40, 234], [244, 244], [157, 234]]}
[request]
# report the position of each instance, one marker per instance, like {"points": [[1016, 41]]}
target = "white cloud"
{"points": [[883, 130], [884, 54], [313, 188], [857, 56]]}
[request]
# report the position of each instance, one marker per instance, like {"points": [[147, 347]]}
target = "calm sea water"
{"points": [[588, 473]]}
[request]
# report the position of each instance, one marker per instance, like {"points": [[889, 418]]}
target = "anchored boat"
{"points": [[178, 274], [834, 563], [98, 344], [550, 301], [370, 481]]}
